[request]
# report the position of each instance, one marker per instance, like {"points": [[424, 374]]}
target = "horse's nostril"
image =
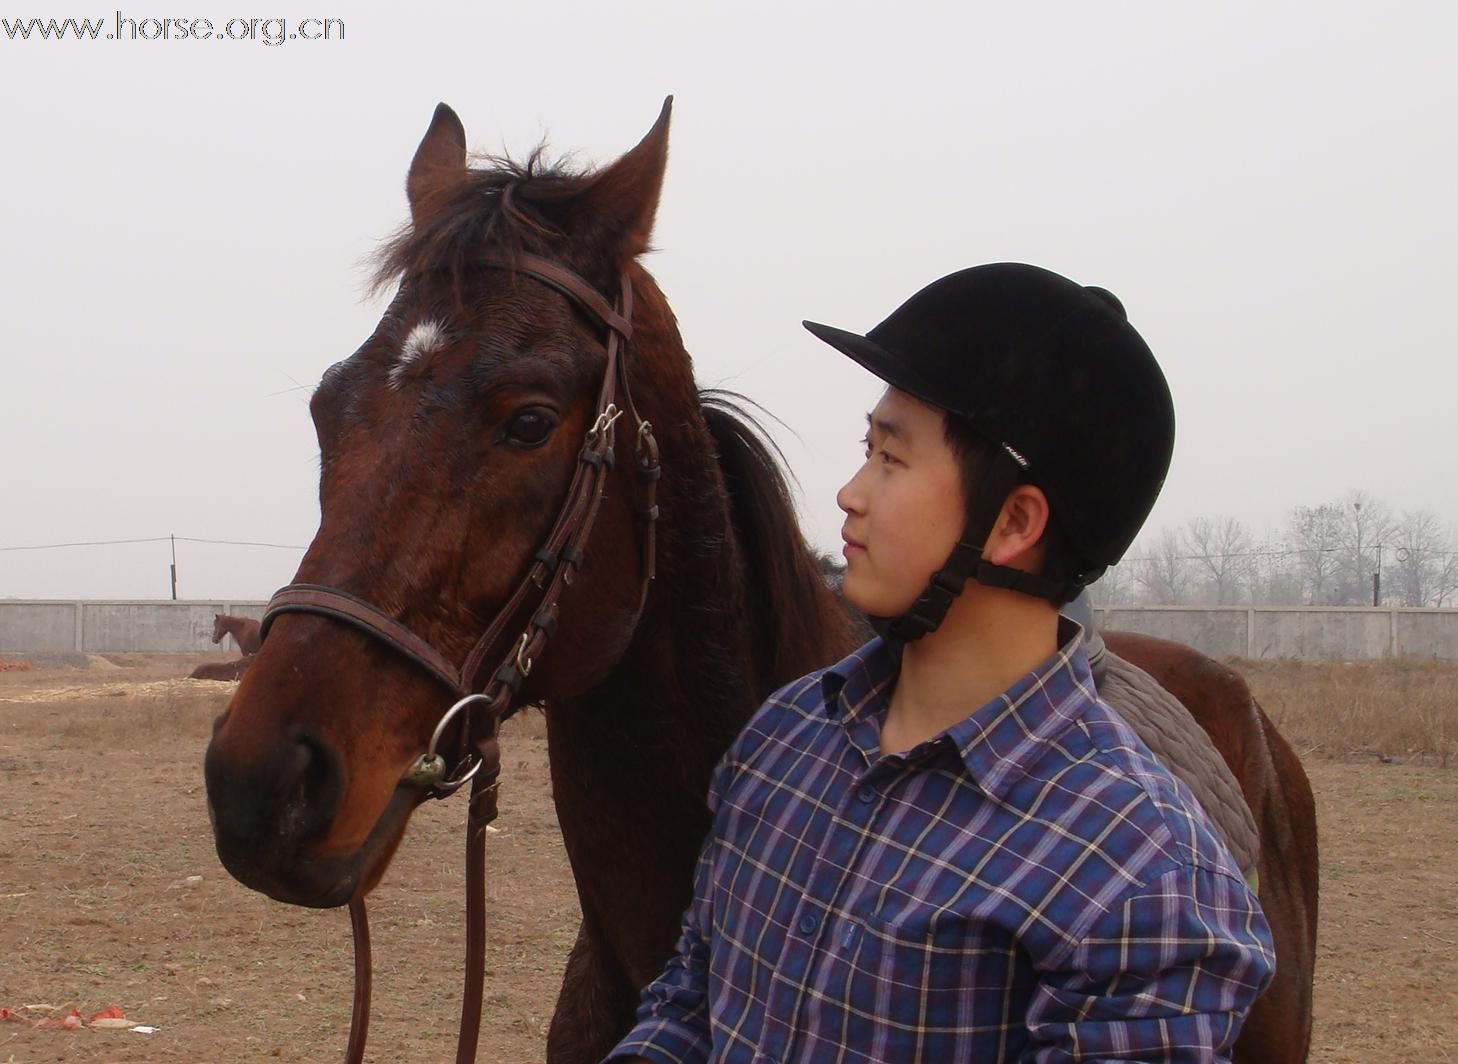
{"points": [[317, 782]]}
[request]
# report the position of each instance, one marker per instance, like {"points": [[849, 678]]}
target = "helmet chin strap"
{"points": [[966, 563]]}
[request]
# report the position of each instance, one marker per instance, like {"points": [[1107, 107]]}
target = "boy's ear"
{"points": [[1019, 529]]}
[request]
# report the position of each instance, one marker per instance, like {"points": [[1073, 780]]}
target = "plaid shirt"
{"points": [[1030, 885]]}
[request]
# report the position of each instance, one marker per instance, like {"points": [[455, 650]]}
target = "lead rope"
{"points": [[359, 1017], [481, 811]]}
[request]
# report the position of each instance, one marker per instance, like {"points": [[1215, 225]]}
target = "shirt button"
{"points": [[809, 922], [867, 794]]}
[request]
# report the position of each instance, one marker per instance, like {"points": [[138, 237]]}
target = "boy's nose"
{"points": [[848, 498]]}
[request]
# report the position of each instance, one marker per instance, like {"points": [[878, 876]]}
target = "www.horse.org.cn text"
{"points": [[123, 27]]}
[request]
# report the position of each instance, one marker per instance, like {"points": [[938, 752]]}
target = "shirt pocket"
{"points": [[932, 975]]}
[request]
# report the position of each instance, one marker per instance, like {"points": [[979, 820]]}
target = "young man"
{"points": [[944, 847]]}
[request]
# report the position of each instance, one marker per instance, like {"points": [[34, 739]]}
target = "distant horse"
{"points": [[448, 442], [221, 670], [243, 629]]}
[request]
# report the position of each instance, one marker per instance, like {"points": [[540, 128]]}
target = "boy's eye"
{"points": [[887, 458]]}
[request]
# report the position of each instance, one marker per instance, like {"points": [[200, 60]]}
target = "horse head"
{"points": [[219, 629], [448, 441]]}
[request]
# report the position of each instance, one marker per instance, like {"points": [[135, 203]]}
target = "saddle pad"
{"points": [[1184, 748]]}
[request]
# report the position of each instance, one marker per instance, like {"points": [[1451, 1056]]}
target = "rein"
{"points": [[476, 754]]}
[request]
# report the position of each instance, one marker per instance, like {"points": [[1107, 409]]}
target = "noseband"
{"points": [[480, 707]]}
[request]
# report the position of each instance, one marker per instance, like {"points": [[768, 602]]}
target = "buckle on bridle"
{"points": [[604, 421]]}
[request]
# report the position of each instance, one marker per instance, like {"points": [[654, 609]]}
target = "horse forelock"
{"points": [[503, 207]]}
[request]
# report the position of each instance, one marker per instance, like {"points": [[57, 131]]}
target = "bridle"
{"points": [[480, 708]]}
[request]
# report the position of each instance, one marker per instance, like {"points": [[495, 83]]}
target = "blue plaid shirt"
{"points": [[1029, 885]]}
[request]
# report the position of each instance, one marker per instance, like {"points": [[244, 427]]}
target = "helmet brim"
{"points": [[900, 373]]}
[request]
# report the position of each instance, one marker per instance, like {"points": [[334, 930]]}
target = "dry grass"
{"points": [[103, 833], [1401, 708], [135, 709]]}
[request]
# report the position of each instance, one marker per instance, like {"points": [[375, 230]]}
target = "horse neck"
{"points": [[688, 694], [631, 759]]}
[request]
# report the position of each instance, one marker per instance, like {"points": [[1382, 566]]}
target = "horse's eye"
{"points": [[530, 428]]}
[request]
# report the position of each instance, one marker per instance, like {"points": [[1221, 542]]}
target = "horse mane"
{"points": [[503, 206], [796, 625]]}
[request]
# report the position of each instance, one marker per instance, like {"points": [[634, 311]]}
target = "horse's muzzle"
{"points": [[270, 808]]}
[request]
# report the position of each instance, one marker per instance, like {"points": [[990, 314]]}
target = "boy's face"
{"points": [[904, 507]]}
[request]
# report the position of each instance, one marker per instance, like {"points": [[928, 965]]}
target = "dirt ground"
{"points": [[111, 896]]}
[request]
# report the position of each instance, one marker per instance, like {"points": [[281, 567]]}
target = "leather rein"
{"points": [[482, 707]]}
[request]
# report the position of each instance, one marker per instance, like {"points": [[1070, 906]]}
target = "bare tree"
{"points": [[1445, 587], [1117, 587], [1366, 523], [1316, 537], [1164, 570], [1276, 573], [1422, 567], [1221, 550]]}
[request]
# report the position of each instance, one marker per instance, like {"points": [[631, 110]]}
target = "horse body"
{"points": [[221, 670], [1279, 795], [244, 630], [447, 441]]}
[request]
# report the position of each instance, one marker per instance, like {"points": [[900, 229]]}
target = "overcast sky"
{"points": [[1270, 189]]}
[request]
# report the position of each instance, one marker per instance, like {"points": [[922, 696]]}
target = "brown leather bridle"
{"points": [[477, 754]]}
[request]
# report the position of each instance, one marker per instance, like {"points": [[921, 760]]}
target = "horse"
{"points": [[245, 630], [221, 670], [1278, 793], [448, 439]]}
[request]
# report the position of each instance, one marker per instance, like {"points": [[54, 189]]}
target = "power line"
{"points": [[241, 543], [89, 543], [154, 539]]}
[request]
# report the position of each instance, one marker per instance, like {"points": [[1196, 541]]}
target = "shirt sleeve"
{"points": [[1167, 976], [672, 1022]]}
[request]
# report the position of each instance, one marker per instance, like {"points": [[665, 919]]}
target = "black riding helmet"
{"points": [[1054, 376]]}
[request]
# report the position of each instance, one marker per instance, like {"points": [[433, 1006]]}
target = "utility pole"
{"points": [[1361, 561], [174, 566], [1377, 579]]}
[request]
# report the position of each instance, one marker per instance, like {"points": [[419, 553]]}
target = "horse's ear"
{"points": [[625, 194], [439, 162]]}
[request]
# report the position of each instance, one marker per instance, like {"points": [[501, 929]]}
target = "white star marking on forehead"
{"points": [[427, 336]]}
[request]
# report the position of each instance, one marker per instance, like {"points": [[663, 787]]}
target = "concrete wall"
{"points": [[1219, 633], [99, 627], [1308, 633]]}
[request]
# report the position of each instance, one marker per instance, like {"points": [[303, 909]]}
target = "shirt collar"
{"points": [[860, 682], [999, 741], [1003, 739]]}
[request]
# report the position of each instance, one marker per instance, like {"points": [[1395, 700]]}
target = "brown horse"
{"points": [[1279, 795], [244, 630], [221, 670], [448, 440]]}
